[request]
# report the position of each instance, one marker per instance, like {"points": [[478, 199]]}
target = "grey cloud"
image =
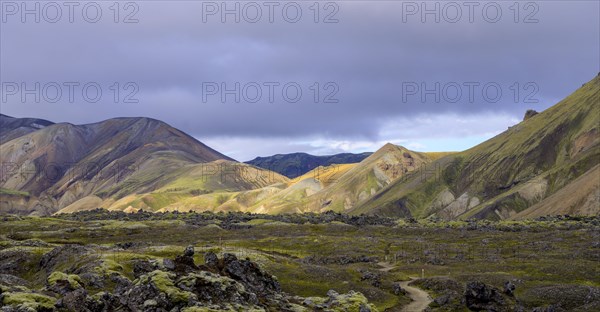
{"points": [[369, 54]]}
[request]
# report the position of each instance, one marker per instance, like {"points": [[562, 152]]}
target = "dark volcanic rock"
{"points": [[92, 280], [62, 287], [11, 280], [189, 251], [12, 261], [509, 288], [211, 261], [213, 288], [397, 289], [373, 278], [147, 296], [122, 284], [185, 263], [62, 254], [250, 274], [529, 113], [74, 301], [226, 284], [481, 297], [142, 267], [340, 260], [169, 264], [442, 300]]}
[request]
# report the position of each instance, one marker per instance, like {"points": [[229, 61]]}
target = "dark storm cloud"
{"points": [[368, 54]]}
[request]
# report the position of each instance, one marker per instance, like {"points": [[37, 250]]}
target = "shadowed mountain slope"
{"points": [[297, 164], [511, 172], [11, 128], [61, 163]]}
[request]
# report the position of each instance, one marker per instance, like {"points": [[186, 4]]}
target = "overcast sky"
{"points": [[369, 72]]}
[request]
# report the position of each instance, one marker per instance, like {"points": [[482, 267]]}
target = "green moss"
{"points": [[28, 300], [164, 282], [351, 301], [56, 276], [208, 278], [122, 225]]}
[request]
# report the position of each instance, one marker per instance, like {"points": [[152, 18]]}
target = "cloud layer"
{"points": [[363, 79]]}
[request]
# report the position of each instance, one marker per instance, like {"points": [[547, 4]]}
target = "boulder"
{"points": [[529, 113], [442, 300], [73, 301], [189, 251], [211, 261], [509, 288], [169, 264], [185, 263], [61, 283], [373, 278], [481, 297], [397, 289], [249, 274], [141, 267]]}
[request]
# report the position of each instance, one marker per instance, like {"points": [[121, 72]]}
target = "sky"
{"points": [[259, 78]]}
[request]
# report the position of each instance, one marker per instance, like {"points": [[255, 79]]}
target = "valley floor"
{"points": [[552, 263]]}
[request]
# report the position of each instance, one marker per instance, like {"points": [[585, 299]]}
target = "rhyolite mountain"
{"points": [[335, 187], [357, 184], [296, 164], [11, 128], [49, 168], [548, 164]]}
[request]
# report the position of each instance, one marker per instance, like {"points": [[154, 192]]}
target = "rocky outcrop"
{"points": [[372, 278], [352, 301], [338, 260], [62, 254], [481, 297], [220, 284], [529, 113]]}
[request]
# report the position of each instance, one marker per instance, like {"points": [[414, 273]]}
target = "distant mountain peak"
{"points": [[294, 165], [389, 147], [11, 127]]}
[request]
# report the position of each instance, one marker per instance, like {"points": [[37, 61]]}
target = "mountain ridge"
{"points": [[293, 165], [546, 164], [509, 173], [98, 158]]}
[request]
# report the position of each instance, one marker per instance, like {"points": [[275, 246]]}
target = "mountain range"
{"points": [[547, 164], [296, 164]]}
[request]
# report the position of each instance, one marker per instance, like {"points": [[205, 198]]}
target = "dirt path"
{"points": [[420, 298], [385, 267]]}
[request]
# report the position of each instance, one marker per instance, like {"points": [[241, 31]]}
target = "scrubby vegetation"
{"points": [[330, 262]]}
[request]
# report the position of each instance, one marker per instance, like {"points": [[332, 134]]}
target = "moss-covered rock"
{"points": [[28, 301], [73, 280], [163, 281], [62, 283], [215, 288], [351, 301]]}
